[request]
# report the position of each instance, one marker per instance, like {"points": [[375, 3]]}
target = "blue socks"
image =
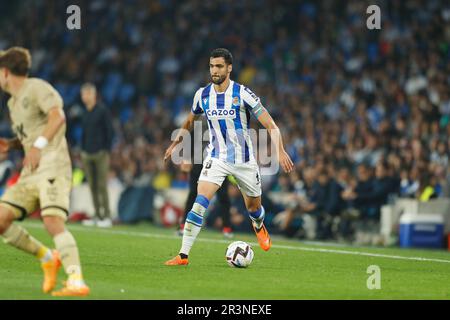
{"points": [[258, 217], [194, 222]]}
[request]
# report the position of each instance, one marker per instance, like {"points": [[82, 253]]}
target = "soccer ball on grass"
{"points": [[239, 254]]}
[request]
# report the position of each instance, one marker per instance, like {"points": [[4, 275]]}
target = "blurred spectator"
{"points": [[97, 135], [371, 193]]}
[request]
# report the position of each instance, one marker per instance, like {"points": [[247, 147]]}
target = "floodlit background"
{"points": [[365, 114]]}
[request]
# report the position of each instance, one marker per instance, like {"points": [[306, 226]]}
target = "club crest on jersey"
{"points": [[236, 101], [221, 113]]}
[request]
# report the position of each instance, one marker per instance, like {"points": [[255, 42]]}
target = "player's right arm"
{"points": [[188, 124], [9, 144]]}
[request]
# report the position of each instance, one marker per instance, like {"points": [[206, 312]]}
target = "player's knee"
{"points": [[54, 224], [207, 189], [6, 218]]}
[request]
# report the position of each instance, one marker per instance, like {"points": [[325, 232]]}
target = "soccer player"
{"points": [[227, 106], [38, 121]]}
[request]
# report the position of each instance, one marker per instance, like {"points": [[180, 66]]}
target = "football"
{"points": [[239, 254]]}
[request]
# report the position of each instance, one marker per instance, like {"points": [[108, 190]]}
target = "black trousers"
{"points": [[96, 167], [222, 196]]}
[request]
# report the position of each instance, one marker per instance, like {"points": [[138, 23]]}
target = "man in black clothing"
{"points": [[324, 203], [371, 193], [96, 143]]}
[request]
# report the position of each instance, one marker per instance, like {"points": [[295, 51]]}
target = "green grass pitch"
{"points": [[127, 263]]}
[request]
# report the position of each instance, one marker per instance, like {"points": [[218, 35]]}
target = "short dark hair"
{"points": [[222, 53], [17, 60], [89, 86]]}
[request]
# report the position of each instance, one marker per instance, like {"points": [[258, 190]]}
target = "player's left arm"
{"points": [[254, 105], [50, 102], [267, 122], [55, 121]]}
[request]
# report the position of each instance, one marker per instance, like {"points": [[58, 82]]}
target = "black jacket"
{"points": [[97, 130]]}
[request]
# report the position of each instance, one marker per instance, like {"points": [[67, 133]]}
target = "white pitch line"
{"points": [[323, 250]]}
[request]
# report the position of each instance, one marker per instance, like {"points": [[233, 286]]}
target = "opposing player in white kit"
{"points": [[227, 106]]}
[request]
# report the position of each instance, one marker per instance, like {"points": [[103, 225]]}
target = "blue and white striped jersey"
{"points": [[228, 115]]}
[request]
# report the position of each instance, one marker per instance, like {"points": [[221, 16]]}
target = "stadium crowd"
{"points": [[365, 114]]}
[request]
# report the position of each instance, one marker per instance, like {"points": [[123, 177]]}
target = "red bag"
{"points": [[170, 215]]}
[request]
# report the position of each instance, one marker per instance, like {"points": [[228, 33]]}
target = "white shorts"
{"points": [[246, 174]]}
